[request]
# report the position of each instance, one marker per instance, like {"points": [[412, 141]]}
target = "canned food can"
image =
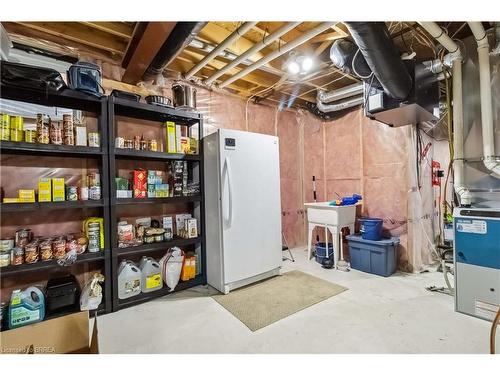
{"points": [[68, 130], [119, 142], [94, 179], [144, 144], [94, 139], [56, 133], [16, 135], [71, 193], [5, 127], [94, 238], [42, 128], [30, 136], [17, 122], [137, 142], [95, 193], [153, 145]]}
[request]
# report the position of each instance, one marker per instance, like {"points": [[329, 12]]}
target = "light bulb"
{"points": [[307, 64], [293, 67]]}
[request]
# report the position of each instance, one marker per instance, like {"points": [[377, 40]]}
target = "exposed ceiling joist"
{"points": [[121, 29], [80, 33], [142, 52]]}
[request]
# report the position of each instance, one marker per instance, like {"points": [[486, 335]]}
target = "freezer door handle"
{"points": [[227, 173]]}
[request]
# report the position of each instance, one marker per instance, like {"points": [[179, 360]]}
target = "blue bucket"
{"points": [[371, 229], [321, 252]]}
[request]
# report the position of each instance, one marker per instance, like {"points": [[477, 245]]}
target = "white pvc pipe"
{"points": [[458, 117], [338, 106], [483, 53], [273, 55], [235, 35], [252, 51], [344, 92]]}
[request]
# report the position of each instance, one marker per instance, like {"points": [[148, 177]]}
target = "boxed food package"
{"points": [[161, 190], [193, 146], [168, 225], [121, 183], [139, 183], [191, 226], [124, 193], [44, 190], [151, 191], [11, 200], [184, 145], [81, 135], [58, 189], [179, 222], [170, 137], [26, 195]]}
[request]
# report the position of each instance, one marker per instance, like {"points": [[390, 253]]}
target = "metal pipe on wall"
{"points": [[251, 51], [458, 117], [344, 92], [235, 35], [483, 53], [273, 55], [338, 106]]}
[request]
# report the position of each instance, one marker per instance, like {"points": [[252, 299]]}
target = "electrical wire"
{"points": [[353, 65]]}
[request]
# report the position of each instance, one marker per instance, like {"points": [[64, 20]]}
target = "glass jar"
{"points": [[59, 248]]}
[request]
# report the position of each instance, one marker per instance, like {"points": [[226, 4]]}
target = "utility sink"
{"points": [[322, 213]]}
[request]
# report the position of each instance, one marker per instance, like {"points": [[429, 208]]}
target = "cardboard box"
{"points": [[121, 183], [68, 334], [193, 146], [58, 190], [44, 190], [191, 226], [26, 195], [185, 146], [171, 140], [178, 135], [139, 178]]}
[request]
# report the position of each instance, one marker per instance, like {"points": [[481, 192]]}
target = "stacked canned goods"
{"points": [[68, 130], [43, 128], [16, 128], [56, 133], [94, 185], [94, 233], [5, 127], [6, 246]]}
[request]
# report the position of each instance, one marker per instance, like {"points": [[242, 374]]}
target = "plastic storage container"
{"points": [[151, 279], [321, 253], [129, 280], [376, 257], [26, 307], [371, 229], [63, 294]]}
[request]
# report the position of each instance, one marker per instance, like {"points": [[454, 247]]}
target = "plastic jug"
{"points": [[129, 280], [26, 307], [171, 266], [151, 279]]}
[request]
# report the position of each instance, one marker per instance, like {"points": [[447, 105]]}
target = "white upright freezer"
{"points": [[242, 208]]}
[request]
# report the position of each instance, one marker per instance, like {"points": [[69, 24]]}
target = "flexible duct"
{"points": [[377, 47], [458, 117], [344, 92], [180, 37], [483, 48]]}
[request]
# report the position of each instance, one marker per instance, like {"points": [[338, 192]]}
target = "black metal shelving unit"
{"points": [[78, 101], [158, 114]]}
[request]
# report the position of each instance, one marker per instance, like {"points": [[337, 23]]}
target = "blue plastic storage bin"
{"points": [[371, 228], [320, 250], [376, 257]]}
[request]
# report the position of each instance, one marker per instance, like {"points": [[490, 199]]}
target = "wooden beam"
{"points": [[121, 29], [152, 37], [80, 33], [39, 39], [111, 85], [330, 37]]}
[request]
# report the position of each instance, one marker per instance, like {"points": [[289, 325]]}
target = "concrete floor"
{"points": [[376, 315]]}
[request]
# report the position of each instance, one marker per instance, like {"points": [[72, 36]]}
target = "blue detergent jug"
{"points": [[26, 307]]}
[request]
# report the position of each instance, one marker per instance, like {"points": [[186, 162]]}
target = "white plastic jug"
{"points": [[171, 266], [129, 280], [151, 279]]}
